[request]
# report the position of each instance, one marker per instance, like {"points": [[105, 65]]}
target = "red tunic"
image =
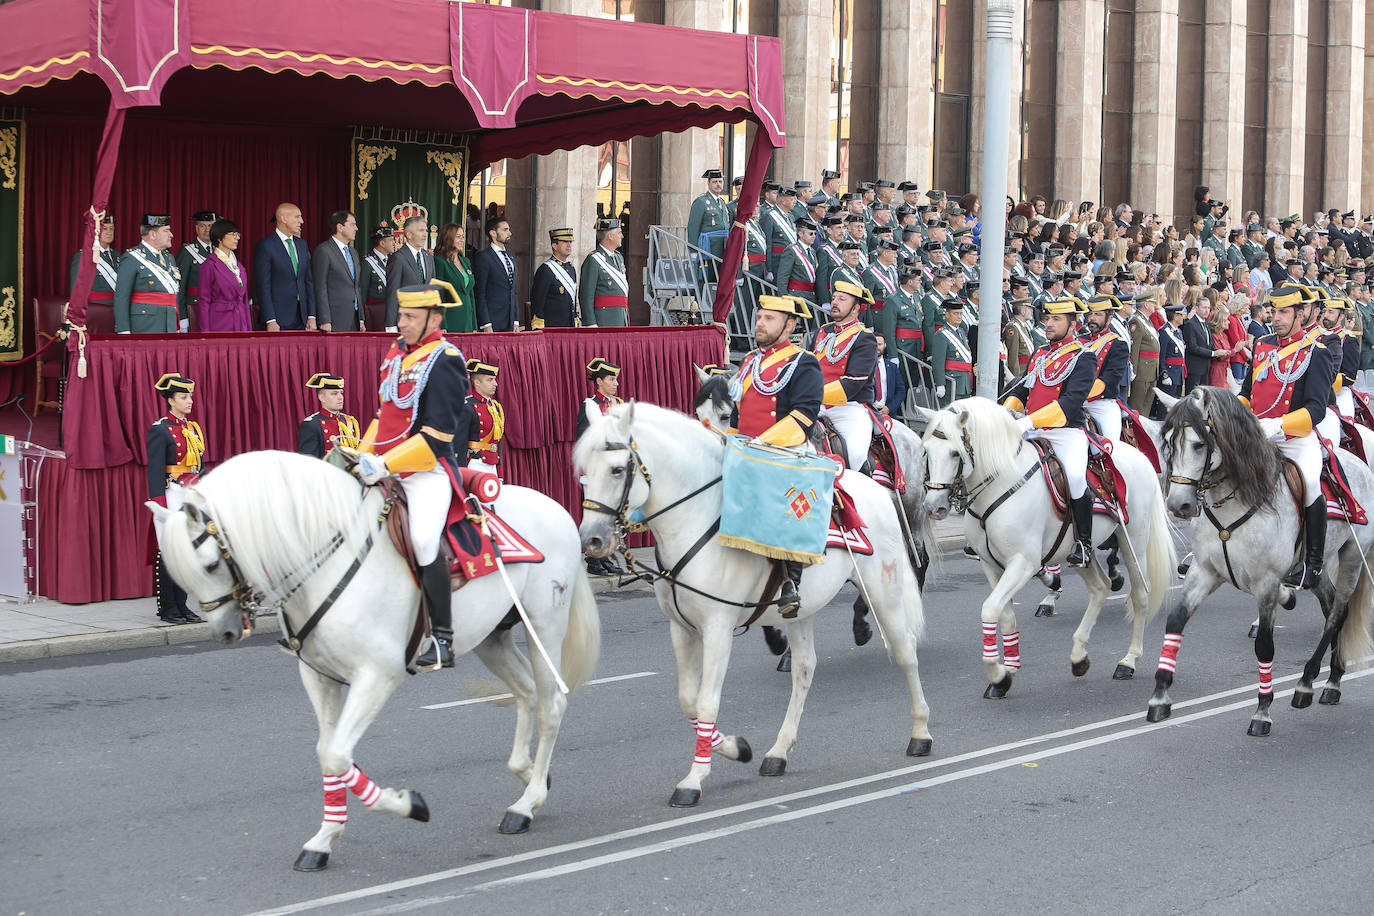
{"points": [[758, 411], [491, 427], [1050, 369], [836, 341], [393, 421], [1290, 357]]}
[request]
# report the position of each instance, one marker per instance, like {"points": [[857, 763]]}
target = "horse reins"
{"points": [[1204, 484]]}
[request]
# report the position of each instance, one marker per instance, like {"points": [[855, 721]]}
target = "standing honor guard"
{"points": [[797, 265], [487, 420], [951, 360], [1172, 361], [848, 354], [553, 294], [603, 293], [1145, 348], [708, 223], [374, 280], [145, 300], [175, 447], [329, 426], [106, 266], [189, 259]]}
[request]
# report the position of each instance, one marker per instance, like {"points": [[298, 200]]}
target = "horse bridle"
{"points": [[960, 494], [1210, 476], [635, 466]]}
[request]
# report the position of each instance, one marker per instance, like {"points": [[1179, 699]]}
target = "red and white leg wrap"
{"points": [[717, 739], [1011, 650], [1055, 570], [367, 791], [335, 800], [1266, 672], [990, 641], [707, 738], [1168, 656]]}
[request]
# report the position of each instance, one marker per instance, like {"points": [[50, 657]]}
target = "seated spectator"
{"points": [[224, 282]]}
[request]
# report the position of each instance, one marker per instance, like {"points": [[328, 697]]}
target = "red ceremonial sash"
{"points": [[100, 298], [152, 298], [802, 286], [611, 302]]}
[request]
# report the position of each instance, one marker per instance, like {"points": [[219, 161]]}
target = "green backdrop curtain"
{"points": [[397, 174]]}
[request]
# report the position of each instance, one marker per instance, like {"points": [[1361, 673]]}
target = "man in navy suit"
{"points": [[888, 383], [494, 282], [283, 286]]}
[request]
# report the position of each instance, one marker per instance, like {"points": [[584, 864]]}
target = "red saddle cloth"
{"points": [[1364, 413], [1340, 502], [887, 470], [1108, 489], [1351, 441], [476, 535], [1133, 433], [846, 525]]}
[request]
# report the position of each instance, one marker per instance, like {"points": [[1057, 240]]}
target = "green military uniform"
{"points": [[145, 299], [777, 226], [903, 323], [1019, 342], [1215, 243], [189, 259], [603, 291], [827, 260], [754, 268], [951, 361], [1251, 250], [1144, 364], [106, 275], [797, 272], [932, 312], [882, 282], [708, 222]]}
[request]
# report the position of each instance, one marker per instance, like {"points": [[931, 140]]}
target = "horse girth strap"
{"points": [[297, 639], [765, 601]]}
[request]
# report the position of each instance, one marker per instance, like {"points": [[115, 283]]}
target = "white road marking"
{"points": [[506, 696], [774, 801]]}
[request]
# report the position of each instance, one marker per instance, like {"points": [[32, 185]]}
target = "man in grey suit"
{"points": [[410, 265], [337, 267]]}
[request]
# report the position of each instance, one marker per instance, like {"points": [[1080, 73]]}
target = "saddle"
{"points": [[1340, 501], [1364, 413], [1134, 435], [882, 463], [1351, 440], [1106, 485]]}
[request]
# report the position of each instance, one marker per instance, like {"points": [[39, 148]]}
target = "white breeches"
{"points": [[1306, 453], [855, 426], [1345, 403], [1070, 445], [1330, 427], [1107, 415], [428, 494]]}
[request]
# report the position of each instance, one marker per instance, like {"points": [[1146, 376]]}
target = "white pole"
{"points": [[996, 129]]}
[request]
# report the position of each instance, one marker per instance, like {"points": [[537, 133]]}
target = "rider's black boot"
{"points": [[1083, 529], [1314, 523], [789, 598], [434, 581]]}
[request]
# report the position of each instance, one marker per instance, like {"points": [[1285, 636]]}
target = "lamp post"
{"points": [[996, 129]]}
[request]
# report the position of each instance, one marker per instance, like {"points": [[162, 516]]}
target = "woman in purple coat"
{"points": [[224, 286]]}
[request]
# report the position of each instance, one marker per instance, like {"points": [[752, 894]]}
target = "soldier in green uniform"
{"points": [[856, 230], [968, 260], [777, 225], [145, 299], [753, 268], [106, 266], [797, 266], [882, 217], [933, 305], [903, 322], [374, 270], [708, 223], [1234, 255], [830, 186], [1214, 241], [951, 360], [733, 206], [1253, 245], [849, 271], [816, 205], [881, 280], [189, 259], [603, 293], [828, 255], [911, 194], [876, 236]]}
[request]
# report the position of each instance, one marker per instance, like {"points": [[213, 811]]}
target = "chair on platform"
{"points": [[49, 313], [99, 318]]}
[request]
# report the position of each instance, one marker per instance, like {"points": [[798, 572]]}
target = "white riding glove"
{"points": [[370, 468], [939, 391], [1272, 427], [1025, 424]]}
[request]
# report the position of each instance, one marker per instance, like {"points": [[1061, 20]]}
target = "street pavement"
{"points": [[182, 779]]}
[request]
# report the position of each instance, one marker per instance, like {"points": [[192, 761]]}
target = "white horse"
{"points": [[275, 528], [667, 466], [1222, 471], [975, 447]]}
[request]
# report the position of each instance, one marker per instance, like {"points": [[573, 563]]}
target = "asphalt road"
{"points": [[183, 780]]}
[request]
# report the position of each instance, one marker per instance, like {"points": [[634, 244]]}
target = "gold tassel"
{"points": [[766, 550]]}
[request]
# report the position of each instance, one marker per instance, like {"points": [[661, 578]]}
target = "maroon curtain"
{"points": [[760, 151], [92, 533], [175, 167]]}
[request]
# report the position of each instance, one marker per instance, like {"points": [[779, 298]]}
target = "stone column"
{"points": [[1284, 140], [1344, 103], [978, 96], [805, 30], [1078, 106], [906, 93], [1154, 106], [686, 155], [1223, 128], [1367, 141], [565, 181]]}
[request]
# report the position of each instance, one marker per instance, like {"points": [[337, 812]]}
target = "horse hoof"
{"points": [[1330, 696], [1258, 729], [1254, 630], [515, 822], [1118, 582], [785, 663], [773, 766], [1079, 668], [1159, 712], [999, 690], [419, 811], [919, 747], [1302, 699], [743, 752], [862, 632], [310, 860], [1123, 673], [685, 798], [1044, 610]]}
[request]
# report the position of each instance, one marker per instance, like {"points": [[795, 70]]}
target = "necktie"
{"points": [[510, 267], [352, 274], [420, 261], [291, 250]]}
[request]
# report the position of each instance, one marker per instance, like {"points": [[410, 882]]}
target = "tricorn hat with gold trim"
{"points": [[322, 380], [173, 382]]}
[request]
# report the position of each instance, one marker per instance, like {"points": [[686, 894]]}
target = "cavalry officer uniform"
{"points": [[597, 405], [797, 267], [487, 423], [106, 271], [189, 259], [147, 287], [1349, 362], [708, 222], [423, 387], [1113, 363], [848, 353], [175, 448], [603, 294], [1145, 351], [553, 292], [951, 360], [1288, 388], [1052, 394], [374, 281], [320, 432]]}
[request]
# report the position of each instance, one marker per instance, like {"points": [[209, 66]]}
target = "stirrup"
{"points": [[789, 602], [1082, 555]]}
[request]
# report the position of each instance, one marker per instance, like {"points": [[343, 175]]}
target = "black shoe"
{"points": [[594, 567], [790, 596], [610, 568], [1309, 573], [167, 618], [776, 640], [192, 617], [1083, 529], [439, 654]]}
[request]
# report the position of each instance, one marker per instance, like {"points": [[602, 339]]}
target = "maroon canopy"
{"points": [[519, 82]]}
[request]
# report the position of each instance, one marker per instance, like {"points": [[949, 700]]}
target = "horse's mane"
{"points": [[278, 510], [1224, 424], [650, 421], [993, 435], [715, 389]]}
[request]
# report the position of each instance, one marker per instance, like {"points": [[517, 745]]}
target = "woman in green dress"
{"points": [[451, 265]]}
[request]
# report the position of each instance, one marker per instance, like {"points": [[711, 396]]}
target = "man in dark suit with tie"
{"points": [[337, 270], [1197, 346], [493, 281], [283, 285], [888, 383], [410, 265]]}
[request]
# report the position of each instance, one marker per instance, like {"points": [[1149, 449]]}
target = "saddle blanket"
{"points": [[477, 539], [775, 502], [1134, 434], [1351, 440], [1109, 501], [883, 453], [846, 525], [1340, 502]]}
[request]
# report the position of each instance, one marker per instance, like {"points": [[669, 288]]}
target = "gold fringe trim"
{"points": [[774, 553]]}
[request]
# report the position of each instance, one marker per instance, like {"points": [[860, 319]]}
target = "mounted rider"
{"points": [[1052, 395], [848, 354], [1345, 342], [1288, 388], [423, 398], [1113, 355], [778, 395]]}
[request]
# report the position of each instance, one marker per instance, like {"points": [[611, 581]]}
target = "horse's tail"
{"points": [[1355, 643], [1160, 559], [918, 531], [582, 642]]}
